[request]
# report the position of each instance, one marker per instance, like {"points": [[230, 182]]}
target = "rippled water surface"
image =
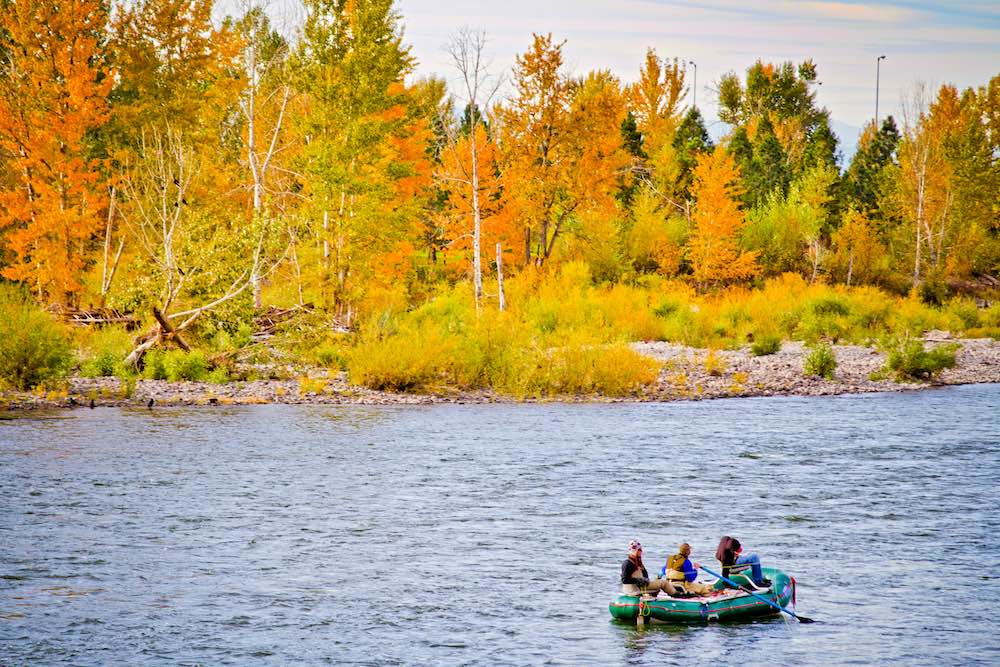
{"points": [[494, 534]]}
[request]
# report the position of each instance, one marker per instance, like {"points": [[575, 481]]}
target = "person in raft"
{"points": [[635, 578], [682, 572], [730, 554]]}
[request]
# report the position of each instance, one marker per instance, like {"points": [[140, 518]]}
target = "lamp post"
{"points": [[878, 63], [694, 88]]}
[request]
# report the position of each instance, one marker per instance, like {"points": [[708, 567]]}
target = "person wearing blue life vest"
{"points": [[680, 571]]}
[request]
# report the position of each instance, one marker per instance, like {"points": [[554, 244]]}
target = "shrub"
{"points": [[829, 304], [105, 353], [404, 362], [152, 365], [612, 370], [174, 365], [181, 365], [966, 312], [330, 355], [765, 344], [814, 327], [984, 332], [33, 347], [666, 308], [218, 376], [714, 364], [909, 360], [821, 361]]}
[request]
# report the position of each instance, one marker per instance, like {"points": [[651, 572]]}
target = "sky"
{"points": [[924, 41], [930, 42]]}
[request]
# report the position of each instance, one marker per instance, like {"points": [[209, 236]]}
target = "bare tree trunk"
{"points": [[816, 256], [477, 265], [108, 273], [850, 267], [918, 226], [503, 300], [295, 265], [326, 259], [466, 50]]}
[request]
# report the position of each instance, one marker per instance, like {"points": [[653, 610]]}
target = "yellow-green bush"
{"points": [[103, 351], [540, 349], [562, 334], [407, 361], [821, 361], [908, 359], [34, 348], [174, 365]]}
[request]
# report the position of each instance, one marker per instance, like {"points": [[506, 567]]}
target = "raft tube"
{"points": [[723, 605]]}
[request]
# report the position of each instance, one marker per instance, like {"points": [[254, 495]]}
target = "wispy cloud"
{"points": [[955, 42], [846, 11]]}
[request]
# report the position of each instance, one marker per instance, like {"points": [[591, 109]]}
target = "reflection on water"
{"points": [[493, 534]]}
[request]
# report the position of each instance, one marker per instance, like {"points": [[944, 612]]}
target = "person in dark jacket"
{"points": [[730, 554], [635, 578]]}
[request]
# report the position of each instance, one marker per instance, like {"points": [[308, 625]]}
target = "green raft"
{"points": [[722, 605]]}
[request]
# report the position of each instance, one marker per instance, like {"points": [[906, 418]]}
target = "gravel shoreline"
{"points": [[687, 374]]}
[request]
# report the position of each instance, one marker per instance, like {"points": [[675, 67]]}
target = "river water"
{"points": [[493, 534]]}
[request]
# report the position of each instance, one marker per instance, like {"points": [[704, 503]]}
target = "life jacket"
{"points": [[679, 568]]}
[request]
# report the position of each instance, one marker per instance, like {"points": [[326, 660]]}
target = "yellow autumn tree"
{"points": [[858, 252], [713, 248], [175, 68], [53, 93], [656, 99]]}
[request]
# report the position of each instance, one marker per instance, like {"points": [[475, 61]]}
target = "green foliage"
{"points": [[33, 347], [765, 344], [218, 376], [331, 355], [227, 338], [821, 361], [865, 178], [104, 352], [174, 365], [966, 312], [908, 359]]}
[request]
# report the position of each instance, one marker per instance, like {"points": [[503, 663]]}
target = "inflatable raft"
{"points": [[722, 604]]}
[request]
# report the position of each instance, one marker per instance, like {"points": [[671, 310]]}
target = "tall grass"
{"points": [[562, 334], [544, 349]]}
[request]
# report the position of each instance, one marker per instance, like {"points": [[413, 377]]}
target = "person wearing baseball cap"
{"points": [[635, 578]]}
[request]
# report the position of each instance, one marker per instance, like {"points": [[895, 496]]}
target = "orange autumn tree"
{"points": [[53, 94], [536, 138], [713, 248], [561, 144], [455, 174]]}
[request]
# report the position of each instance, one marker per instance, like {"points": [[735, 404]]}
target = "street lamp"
{"points": [[694, 97], [878, 63]]}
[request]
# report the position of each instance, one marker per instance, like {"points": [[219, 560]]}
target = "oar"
{"points": [[800, 619]]}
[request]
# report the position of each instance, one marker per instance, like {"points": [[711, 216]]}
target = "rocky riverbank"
{"points": [[687, 374]]}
